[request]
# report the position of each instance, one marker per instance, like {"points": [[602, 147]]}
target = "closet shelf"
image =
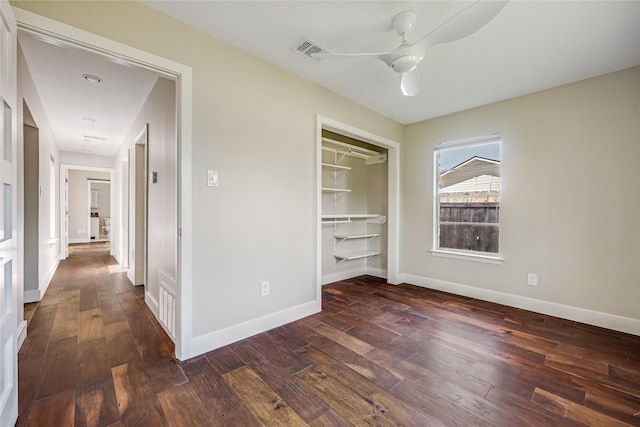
{"points": [[349, 256], [332, 166], [335, 190], [356, 236], [349, 216], [372, 157], [343, 218]]}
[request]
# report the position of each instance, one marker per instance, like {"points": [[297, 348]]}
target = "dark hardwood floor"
{"points": [[376, 355]]}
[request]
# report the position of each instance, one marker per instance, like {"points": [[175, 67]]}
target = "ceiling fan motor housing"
{"points": [[405, 63]]}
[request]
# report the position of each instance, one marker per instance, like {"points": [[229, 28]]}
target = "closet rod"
{"points": [[353, 147]]}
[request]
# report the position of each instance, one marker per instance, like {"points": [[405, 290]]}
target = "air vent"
{"points": [[308, 47], [93, 138]]}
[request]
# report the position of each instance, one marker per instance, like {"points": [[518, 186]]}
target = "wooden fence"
{"points": [[470, 226]]}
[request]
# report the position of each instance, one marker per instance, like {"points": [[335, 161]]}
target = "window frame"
{"points": [[470, 255]]}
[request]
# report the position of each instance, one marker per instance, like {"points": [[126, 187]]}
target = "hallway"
{"points": [[92, 346]]}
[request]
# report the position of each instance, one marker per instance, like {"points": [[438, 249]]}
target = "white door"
{"points": [[8, 231]]}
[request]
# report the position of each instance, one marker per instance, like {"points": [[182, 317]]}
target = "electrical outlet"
{"points": [[264, 289], [532, 279]]}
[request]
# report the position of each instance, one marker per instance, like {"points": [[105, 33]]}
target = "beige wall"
{"points": [[570, 155], [570, 205], [255, 124], [47, 252], [159, 112], [85, 159]]}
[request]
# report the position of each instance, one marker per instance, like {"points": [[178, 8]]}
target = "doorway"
{"points": [[181, 75], [31, 209], [392, 151], [78, 224], [99, 196]]}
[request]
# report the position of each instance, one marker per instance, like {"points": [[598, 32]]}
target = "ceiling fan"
{"points": [[407, 56]]}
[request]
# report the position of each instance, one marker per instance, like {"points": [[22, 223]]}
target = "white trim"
{"points": [[115, 256], [343, 275], [151, 303], [435, 245], [64, 172], [355, 272], [471, 256], [469, 142], [376, 272], [393, 195], [583, 315], [205, 343], [22, 333], [80, 240], [32, 296], [42, 287], [130, 277], [183, 76]]}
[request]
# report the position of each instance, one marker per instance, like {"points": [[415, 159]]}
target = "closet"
{"points": [[354, 208]]}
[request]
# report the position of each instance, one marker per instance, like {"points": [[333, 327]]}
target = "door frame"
{"points": [[138, 211], [124, 210], [11, 244], [90, 183], [182, 75], [64, 203]]}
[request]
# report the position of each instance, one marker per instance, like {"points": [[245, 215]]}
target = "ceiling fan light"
{"points": [[405, 64]]}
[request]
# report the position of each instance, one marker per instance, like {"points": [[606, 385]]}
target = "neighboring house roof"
{"points": [[472, 176], [479, 184]]}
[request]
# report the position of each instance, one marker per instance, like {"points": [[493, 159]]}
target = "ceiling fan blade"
{"points": [[410, 83], [331, 55], [463, 23], [386, 57]]}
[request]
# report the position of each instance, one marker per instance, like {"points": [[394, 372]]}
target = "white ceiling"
{"points": [[529, 46], [70, 101]]}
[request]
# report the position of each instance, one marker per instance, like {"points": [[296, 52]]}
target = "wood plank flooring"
{"points": [[376, 355]]}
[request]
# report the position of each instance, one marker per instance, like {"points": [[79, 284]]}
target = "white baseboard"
{"points": [[583, 315], [22, 333], [32, 296], [151, 303], [376, 272], [343, 275], [131, 277], [84, 240], [348, 274], [222, 337], [47, 279], [116, 256]]}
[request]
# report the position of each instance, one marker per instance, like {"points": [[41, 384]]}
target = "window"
{"points": [[467, 196]]}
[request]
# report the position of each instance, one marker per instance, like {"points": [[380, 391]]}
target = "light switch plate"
{"points": [[212, 178]]}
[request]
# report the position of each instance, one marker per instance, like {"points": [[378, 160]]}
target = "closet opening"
{"points": [[358, 204]]}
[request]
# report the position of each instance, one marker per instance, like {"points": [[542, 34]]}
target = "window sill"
{"points": [[468, 256]]}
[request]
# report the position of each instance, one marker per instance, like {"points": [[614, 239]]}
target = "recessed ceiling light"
{"points": [[92, 79], [89, 119]]}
